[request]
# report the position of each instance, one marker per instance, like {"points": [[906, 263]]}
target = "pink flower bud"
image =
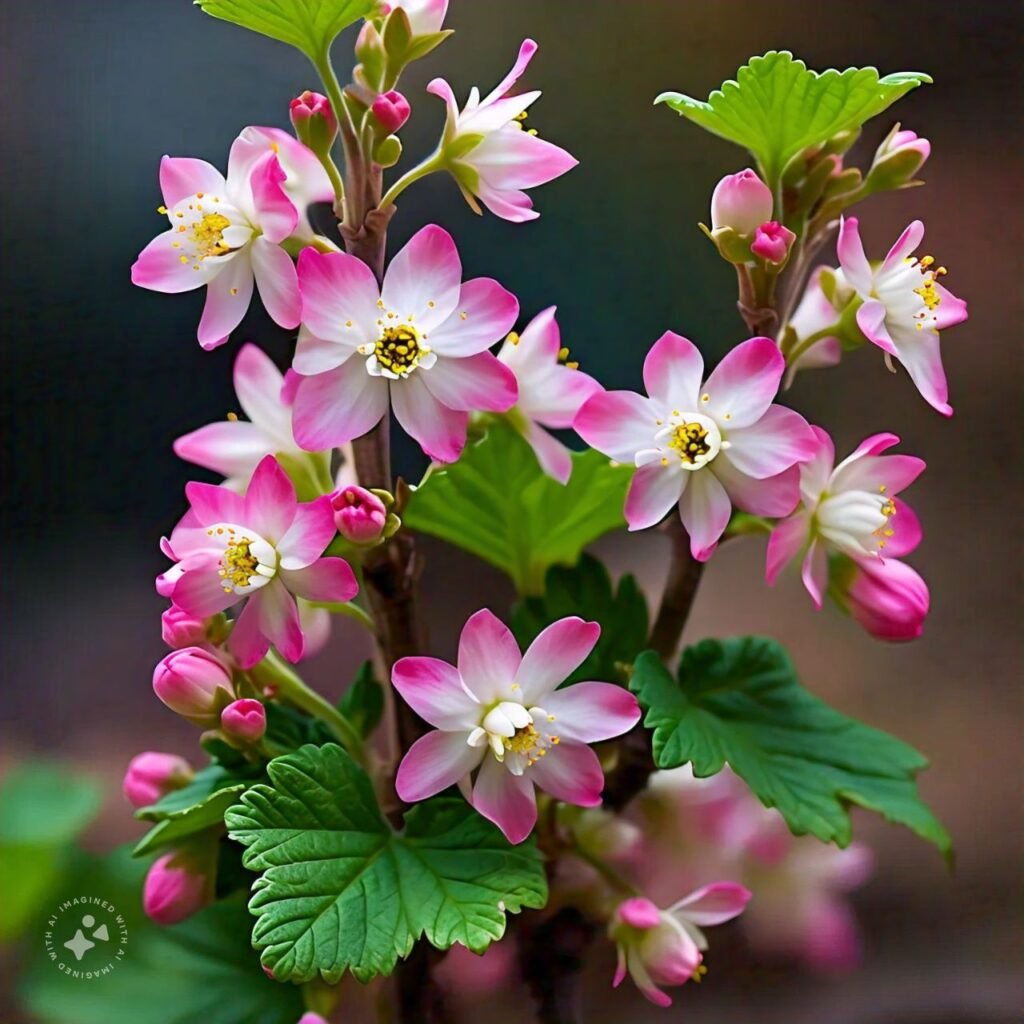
{"points": [[151, 775], [888, 598], [359, 514], [898, 159], [391, 109], [174, 889], [194, 683], [313, 120], [244, 720], [741, 201], [772, 242], [179, 629], [312, 1018]]}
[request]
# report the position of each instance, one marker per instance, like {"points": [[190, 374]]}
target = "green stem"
{"points": [[606, 871], [272, 671], [804, 346], [433, 163], [353, 611]]}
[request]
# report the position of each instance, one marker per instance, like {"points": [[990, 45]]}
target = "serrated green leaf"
{"points": [[363, 703], [205, 784], [586, 590], [340, 890], [204, 815], [496, 503], [776, 107], [309, 25], [739, 701]]}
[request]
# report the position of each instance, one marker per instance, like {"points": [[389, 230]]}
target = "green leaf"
{"points": [[201, 970], [309, 25], [496, 503], [586, 590], [776, 108], [739, 701], [205, 784], [341, 891], [363, 703]]}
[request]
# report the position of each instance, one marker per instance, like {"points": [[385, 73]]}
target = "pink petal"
{"points": [[270, 502], [923, 362], [435, 762], [435, 691], [159, 268], [315, 355], [506, 799], [334, 407], [951, 310], [774, 496], [439, 431], [182, 176], [617, 423], [705, 509], [247, 642], [278, 620], [277, 282], [227, 299], [472, 384], [275, 212], [258, 384], [673, 371], [557, 397], [231, 449], [510, 159], [511, 205], [894, 473], [214, 504], [570, 772], [653, 491], [850, 251], [526, 51], [336, 289], [489, 657], [816, 471], [553, 656], [591, 712], [785, 542], [554, 457], [911, 238], [908, 532], [422, 279], [310, 531], [200, 590], [713, 904], [780, 438], [327, 579], [871, 321], [814, 572], [639, 912], [485, 313], [742, 386], [307, 180]]}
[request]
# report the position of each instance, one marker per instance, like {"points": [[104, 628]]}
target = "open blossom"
{"points": [[850, 509], [235, 448], [500, 712], [703, 446], [492, 157], [904, 306], [226, 233], [665, 947], [422, 337], [262, 549], [551, 390]]}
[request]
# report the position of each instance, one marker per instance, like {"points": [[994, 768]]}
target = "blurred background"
{"points": [[98, 379]]}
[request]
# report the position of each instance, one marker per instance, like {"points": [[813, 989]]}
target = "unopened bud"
{"points": [[359, 515], [151, 775], [741, 201], [180, 629], [391, 109], [388, 151], [244, 720], [176, 887], [313, 120], [772, 242], [194, 683], [897, 160]]}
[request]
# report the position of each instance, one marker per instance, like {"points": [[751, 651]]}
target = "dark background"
{"points": [[99, 377]]}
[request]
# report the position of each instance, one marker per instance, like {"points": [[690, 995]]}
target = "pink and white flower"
{"points": [[551, 390], [489, 153], [814, 314], [740, 202], [422, 338], [226, 233], [500, 712], [262, 549], [235, 448], [904, 306], [665, 947], [425, 16], [703, 446], [850, 509], [888, 598]]}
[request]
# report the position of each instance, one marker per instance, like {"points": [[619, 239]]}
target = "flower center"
{"points": [[928, 291], [399, 351], [248, 561], [857, 522], [688, 439], [208, 235], [512, 734]]}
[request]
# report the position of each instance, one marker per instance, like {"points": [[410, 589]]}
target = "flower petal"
{"points": [[772, 496], [435, 762], [911, 238], [327, 579], [742, 386], [511, 205], [875, 473], [182, 176], [713, 904], [310, 531], [159, 268], [200, 591], [854, 263], [673, 371], [814, 572], [278, 619], [315, 355], [780, 438], [653, 491], [704, 509], [258, 383], [214, 504], [484, 314], [785, 542], [422, 281], [510, 159], [816, 470], [472, 384], [907, 532], [570, 772], [439, 431], [435, 691], [553, 656], [247, 642], [923, 361], [591, 712], [277, 282], [334, 407], [232, 449], [489, 657], [270, 502], [871, 321], [554, 457], [227, 298], [507, 800], [617, 423], [338, 289]]}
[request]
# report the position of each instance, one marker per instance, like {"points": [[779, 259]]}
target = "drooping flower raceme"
{"points": [[488, 151], [703, 446], [262, 549], [551, 390], [850, 510], [423, 337], [499, 711], [226, 233], [904, 306], [665, 947]]}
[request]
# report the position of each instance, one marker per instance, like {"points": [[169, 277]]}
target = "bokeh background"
{"points": [[98, 378]]}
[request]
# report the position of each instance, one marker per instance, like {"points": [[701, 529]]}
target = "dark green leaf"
{"points": [[496, 503], [586, 590], [205, 784], [363, 703], [341, 891], [739, 701]]}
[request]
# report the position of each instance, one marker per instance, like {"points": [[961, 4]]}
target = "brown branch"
{"points": [[684, 575]]}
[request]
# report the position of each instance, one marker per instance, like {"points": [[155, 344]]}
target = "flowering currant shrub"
{"points": [[570, 779]]}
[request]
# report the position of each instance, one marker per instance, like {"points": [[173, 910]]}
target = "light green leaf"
{"points": [[363, 703], [777, 108], [739, 701], [586, 590], [340, 890], [496, 503], [309, 25]]}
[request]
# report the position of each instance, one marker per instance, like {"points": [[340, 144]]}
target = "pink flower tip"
{"points": [[174, 889], [311, 1018], [151, 775], [639, 912], [741, 202], [772, 242], [313, 119], [359, 514], [194, 683], [244, 720], [180, 629], [391, 109]]}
